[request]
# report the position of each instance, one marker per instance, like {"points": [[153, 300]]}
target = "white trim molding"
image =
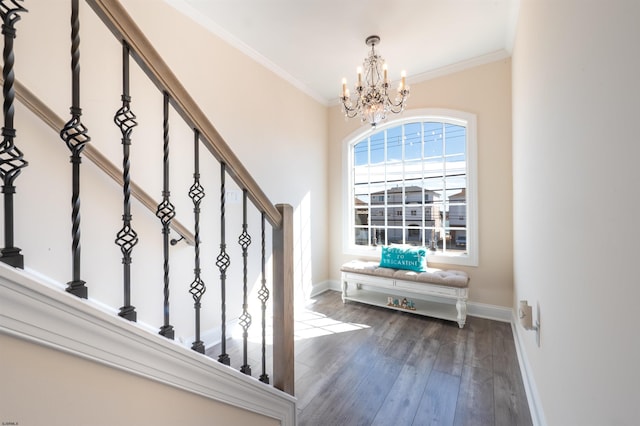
{"points": [[34, 310], [533, 398], [477, 61], [456, 117], [323, 286], [492, 312]]}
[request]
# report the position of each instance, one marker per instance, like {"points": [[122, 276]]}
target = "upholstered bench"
{"points": [[367, 282]]}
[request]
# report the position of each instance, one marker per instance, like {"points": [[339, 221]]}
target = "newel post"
{"points": [[283, 347]]}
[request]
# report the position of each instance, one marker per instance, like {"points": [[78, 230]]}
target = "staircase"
{"points": [[187, 266]]}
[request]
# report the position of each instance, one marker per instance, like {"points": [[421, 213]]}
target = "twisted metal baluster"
{"points": [[74, 134], [127, 238], [166, 212], [263, 295], [196, 193], [223, 262], [11, 158], [245, 318]]}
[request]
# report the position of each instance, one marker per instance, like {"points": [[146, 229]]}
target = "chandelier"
{"points": [[372, 101]]}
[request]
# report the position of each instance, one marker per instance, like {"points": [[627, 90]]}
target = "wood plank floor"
{"points": [[363, 365]]}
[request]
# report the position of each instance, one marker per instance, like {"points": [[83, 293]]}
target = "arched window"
{"points": [[413, 181]]}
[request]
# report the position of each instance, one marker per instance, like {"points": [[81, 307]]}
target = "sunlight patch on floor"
{"points": [[308, 325], [312, 324]]}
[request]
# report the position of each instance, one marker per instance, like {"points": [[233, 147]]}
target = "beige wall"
{"points": [[277, 131], [236, 93], [273, 147], [575, 160], [485, 91], [43, 386]]}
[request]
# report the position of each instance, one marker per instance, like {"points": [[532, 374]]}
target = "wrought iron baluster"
{"points": [[223, 262], [196, 193], [245, 318], [11, 158], [126, 238], [166, 212], [75, 135], [263, 295]]}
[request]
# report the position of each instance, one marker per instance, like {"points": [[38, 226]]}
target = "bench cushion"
{"points": [[437, 276]]}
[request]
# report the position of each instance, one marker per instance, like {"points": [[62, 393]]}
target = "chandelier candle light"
{"points": [[372, 101]]}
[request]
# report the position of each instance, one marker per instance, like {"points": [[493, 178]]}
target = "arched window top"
{"points": [[413, 181]]}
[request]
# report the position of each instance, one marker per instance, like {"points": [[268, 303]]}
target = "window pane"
{"points": [[395, 236], [435, 185], [394, 216], [361, 216], [455, 184], [394, 144], [430, 196], [377, 174], [361, 153], [361, 236], [456, 139], [394, 174], [377, 217], [413, 171], [360, 175], [414, 236], [413, 192], [377, 148], [455, 165], [458, 215], [460, 240], [433, 167], [433, 140], [413, 141], [378, 236], [361, 192], [377, 198], [394, 194], [430, 215]]}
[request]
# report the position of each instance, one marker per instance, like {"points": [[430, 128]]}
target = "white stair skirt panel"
{"points": [[34, 310]]}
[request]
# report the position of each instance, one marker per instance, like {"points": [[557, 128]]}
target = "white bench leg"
{"points": [[461, 306], [344, 290]]}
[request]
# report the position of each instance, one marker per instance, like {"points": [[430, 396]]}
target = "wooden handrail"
{"points": [[118, 20], [42, 111]]}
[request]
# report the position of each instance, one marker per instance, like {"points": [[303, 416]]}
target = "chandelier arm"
{"points": [[349, 110], [397, 106]]}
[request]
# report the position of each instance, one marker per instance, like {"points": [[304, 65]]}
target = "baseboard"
{"points": [[492, 312], [533, 398], [323, 286]]}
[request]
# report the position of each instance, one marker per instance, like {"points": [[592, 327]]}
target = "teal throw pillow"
{"points": [[411, 258]]}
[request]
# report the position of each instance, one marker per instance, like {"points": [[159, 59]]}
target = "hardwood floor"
{"points": [[362, 365]]}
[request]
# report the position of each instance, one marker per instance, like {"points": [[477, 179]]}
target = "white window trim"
{"points": [[438, 114]]}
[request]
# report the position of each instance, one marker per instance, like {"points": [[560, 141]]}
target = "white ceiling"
{"points": [[315, 43]]}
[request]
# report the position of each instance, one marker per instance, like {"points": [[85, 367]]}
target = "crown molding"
{"points": [[188, 10]]}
